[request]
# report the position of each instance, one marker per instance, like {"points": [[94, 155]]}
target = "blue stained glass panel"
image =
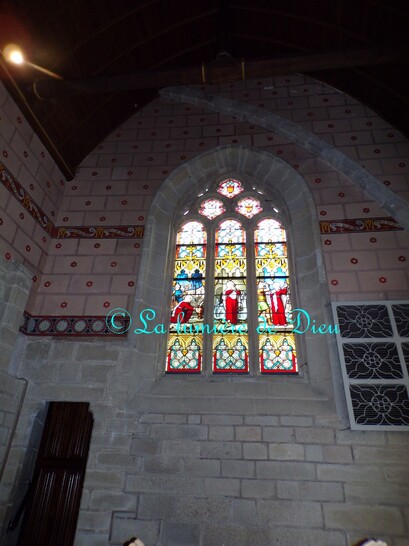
{"points": [[184, 354], [230, 354], [277, 353]]}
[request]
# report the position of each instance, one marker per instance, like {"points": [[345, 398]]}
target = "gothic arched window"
{"points": [[231, 301]]}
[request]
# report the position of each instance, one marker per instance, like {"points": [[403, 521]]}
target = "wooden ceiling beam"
{"points": [[220, 71]]}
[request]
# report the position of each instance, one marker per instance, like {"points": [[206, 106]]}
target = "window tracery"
{"points": [[247, 320]]}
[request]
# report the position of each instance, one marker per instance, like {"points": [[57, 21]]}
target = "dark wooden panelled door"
{"points": [[51, 513]]}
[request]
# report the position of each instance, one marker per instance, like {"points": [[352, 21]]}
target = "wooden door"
{"points": [[51, 513]]}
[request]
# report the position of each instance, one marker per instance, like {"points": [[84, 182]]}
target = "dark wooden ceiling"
{"points": [[89, 39]]}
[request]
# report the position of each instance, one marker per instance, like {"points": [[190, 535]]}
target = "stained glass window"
{"points": [[211, 208], [230, 344], [276, 340], [248, 261], [230, 188], [249, 207], [188, 292]]}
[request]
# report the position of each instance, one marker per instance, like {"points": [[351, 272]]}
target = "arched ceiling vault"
{"points": [[115, 55]]}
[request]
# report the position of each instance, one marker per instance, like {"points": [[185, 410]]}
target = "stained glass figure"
{"points": [[230, 305], [184, 354], [248, 206], [211, 208], [272, 273], [230, 188], [187, 305], [277, 353], [230, 354]]}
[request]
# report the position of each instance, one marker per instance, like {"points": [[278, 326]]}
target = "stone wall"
{"points": [[15, 282], [220, 461]]}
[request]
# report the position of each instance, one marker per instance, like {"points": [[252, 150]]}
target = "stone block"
{"points": [[194, 419], [290, 513], [285, 536], [319, 491], [278, 434], [296, 421], [360, 437], [181, 448], [286, 452], [225, 487], [202, 510], [98, 351], [244, 511], [368, 519], [95, 479], [153, 507], [201, 467], [388, 454], [221, 450], [315, 435], [92, 374], [91, 538], [222, 420], [248, 433], [263, 420], [258, 489], [125, 526], [283, 470], [349, 473], [175, 419], [143, 447], [171, 485], [37, 350], [94, 521], [219, 432], [223, 535], [254, 450], [180, 534], [176, 432], [337, 454], [161, 464], [314, 453], [63, 350], [121, 460], [151, 418], [238, 469], [109, 500], [396, 473], [387, 493]]}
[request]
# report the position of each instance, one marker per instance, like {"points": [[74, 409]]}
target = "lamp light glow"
{"points": [[13, 54]]}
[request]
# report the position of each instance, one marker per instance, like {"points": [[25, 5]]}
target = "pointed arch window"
{"points": [[238, 319]]}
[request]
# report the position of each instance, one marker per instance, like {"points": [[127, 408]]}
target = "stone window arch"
{"points": [[318, 358]]}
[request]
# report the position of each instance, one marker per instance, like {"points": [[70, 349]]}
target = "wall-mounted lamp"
{"points": [[13, 54]]}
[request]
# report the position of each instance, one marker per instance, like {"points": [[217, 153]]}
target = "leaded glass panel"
{"points": [[277, 352], [184, 353], [230, 306], [230, 353], [230, 188], [211, 208], [249, 207], [187, 305]]}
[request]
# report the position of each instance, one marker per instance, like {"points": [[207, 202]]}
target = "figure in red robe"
{"points": [[278, 301], [231, 302], [183, 311]]}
